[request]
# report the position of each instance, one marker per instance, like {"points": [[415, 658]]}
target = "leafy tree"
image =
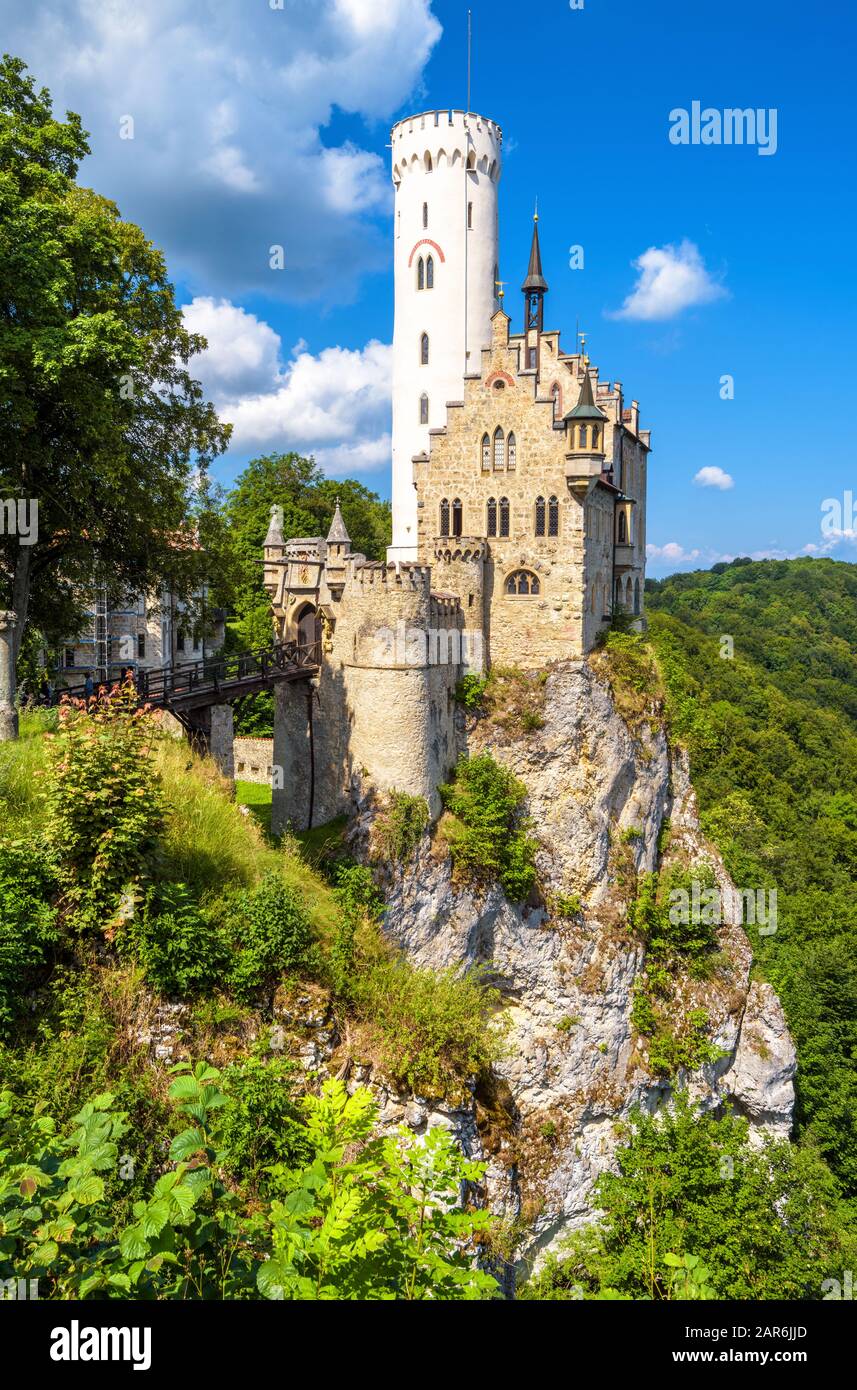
{"points": [[101, 423], [760, 1223]]}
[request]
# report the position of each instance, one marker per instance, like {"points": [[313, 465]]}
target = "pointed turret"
{"points": [[275, 528], [535, 288], [535, 280], [337, 535], [586, 409]]}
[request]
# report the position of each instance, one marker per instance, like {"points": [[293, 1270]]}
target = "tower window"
{"points": [[553, 517], [421, 274], [444, 517], [424, 350], [424, 409], [430, 273], [511, 452], [425, 214], [556, 394], [531, 357], [141, 646], [595, 436], [486, 454], [522, 582], [504, 516], [499, 449], [540, 516], [469, 215], [457, 516], [492, 516], [622, 530], [583, 436]]}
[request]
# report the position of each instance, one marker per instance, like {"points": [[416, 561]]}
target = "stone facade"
{"points": [[254, 758], [510, 475], [380, 713]]}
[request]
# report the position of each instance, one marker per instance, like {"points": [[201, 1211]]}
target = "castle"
{"points": [[519, 502]]}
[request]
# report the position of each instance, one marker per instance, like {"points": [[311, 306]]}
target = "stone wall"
{"points": [[254, 758]]}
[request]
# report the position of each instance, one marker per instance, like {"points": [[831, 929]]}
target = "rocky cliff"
{"points": [[601, 793]]}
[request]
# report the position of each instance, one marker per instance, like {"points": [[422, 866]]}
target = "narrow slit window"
{"points": [[540, 516], [486, 454], [457, 517], [499, 449], [511, 453], [424, 409], [424, 350], [421, 274], [430, 273]]}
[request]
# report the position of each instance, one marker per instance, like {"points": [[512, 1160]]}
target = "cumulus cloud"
{"points": [[670, 279], [712, 476], [672, 553], [230, 101], [335, 405]]}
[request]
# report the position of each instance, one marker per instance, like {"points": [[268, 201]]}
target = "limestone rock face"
{"points": [[598, 796]]}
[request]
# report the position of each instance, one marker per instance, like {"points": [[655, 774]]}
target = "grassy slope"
{"points": [[772, 737]]}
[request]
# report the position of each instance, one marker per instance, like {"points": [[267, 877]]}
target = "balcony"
{"points": [[623, 557]]}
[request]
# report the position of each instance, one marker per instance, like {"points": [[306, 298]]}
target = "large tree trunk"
{"points": [[8, 709]]}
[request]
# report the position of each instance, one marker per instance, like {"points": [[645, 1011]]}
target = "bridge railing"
{"points": [[165, 684]]}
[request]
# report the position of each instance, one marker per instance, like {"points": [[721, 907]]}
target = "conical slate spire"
{"points": [[338, 533], [535, 280], [586, 409], [275, 528]]}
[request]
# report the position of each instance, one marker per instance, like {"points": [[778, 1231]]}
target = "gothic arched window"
{"points": [[456, 517], [556, 395], [622, 530], [511, 452], [594, 437], [553, 517], [499, 449], [540, 516], [522, 582], [425, 214], [492, 516], [583, 436], [430, 273], [504, 516], [424, 350], [486, 453], [444, 517], [421, 274], [423, 409]]}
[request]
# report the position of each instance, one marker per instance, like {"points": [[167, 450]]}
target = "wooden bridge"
{"points": [[221, 680]]}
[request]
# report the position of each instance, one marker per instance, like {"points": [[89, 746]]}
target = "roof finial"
{"points": [[536, 213]]}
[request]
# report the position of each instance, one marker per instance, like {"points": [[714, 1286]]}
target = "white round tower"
{"points": [[446, 167]]}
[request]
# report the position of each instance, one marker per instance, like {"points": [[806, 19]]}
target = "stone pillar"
{"points": [[212, 728], [293, 782], [8, 708]]}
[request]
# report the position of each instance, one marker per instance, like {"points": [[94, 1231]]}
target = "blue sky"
{"points": [[259, 123]]}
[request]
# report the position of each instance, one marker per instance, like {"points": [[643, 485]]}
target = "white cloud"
{"points": [[335, 405], [712, 476], [230, 102], [671, 278], [672, 553]]}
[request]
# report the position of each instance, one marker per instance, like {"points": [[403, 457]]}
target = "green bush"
{"points": [[261, 1123], [271, 936], [106, 812], [398, 828], [429, 1029], [181, 948], [487, 839], [470, 691], [28, 922]]}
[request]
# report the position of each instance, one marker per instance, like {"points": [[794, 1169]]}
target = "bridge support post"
{"points": [[212, 729]]}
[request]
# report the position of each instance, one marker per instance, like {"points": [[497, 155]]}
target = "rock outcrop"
{"points": [[599, 797]]}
